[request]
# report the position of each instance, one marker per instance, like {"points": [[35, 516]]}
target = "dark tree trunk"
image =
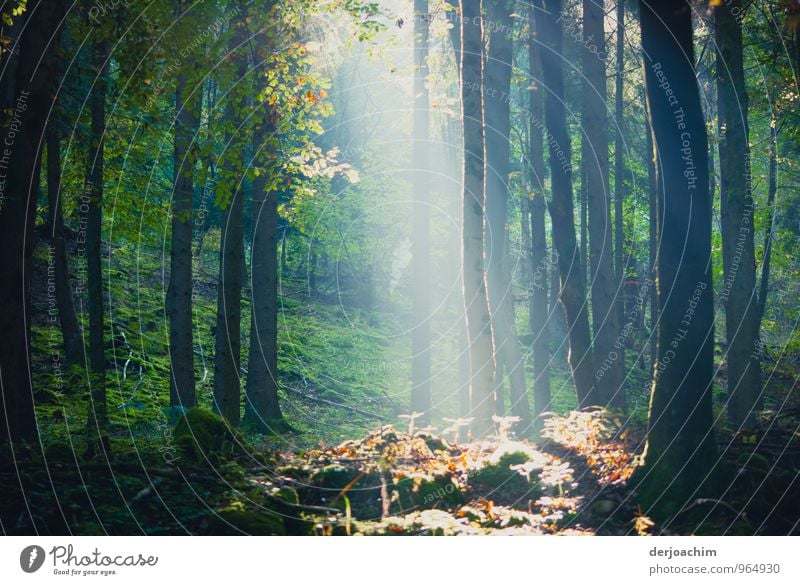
{"points": [[262, 406], [497, 99], [619, 182], [680, 450], [97, 427], [739, 292], [179, 293], [227, 385], [479, 326], [420, 224], [27, 73], [772, 190], [525, 231], [571, 268], [539, 283], [654, 228], [68, 319], [605, 315], [583, 226]]}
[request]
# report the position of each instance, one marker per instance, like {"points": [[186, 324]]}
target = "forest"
{"points": [[399, 267]]}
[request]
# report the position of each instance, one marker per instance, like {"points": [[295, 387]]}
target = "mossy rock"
{"points": [[426, 492], [234, 521], [495, 475], [202, 436], [502, 484], [334, 476], [285, 501], [288, 495], [434, 443]]}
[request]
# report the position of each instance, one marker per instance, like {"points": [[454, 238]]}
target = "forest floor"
{"points": [[206, 478], [344, 469]]}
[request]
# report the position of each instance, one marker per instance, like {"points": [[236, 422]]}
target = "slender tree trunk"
{"points": [[539, 310], [583, 200], [497, 99], [479, 326], [179, 293], [619, 180], [772, 190], [227, 384], [456, 169], [25, 76], [571, 268], [557, 319], [262, 406], [97, 427], [680, 450], [655, 231], [605, 315], [420, 224], [525, 231], [739, 293], [68, 318]]}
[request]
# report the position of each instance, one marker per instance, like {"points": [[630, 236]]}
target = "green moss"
{"points": [[60, 453], [423, 491], [754, 462], [235, 520], [501, 483], [333, 477], [498, 474], [203, 435], [287, 494]]}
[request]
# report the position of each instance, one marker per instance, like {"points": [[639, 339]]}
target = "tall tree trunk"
{"points": [[594, 159], [739, 292], [420, 224], [479, 325], [655, 231], [525, 230], [25, 76], [583, 226], [680, 446], [619, 180], [539, 310], [455, 169], [497, 99], [570, 265], [228, 344], [68, 319], [772, 190], [179, 293], [97, 426], [262, 406]]}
